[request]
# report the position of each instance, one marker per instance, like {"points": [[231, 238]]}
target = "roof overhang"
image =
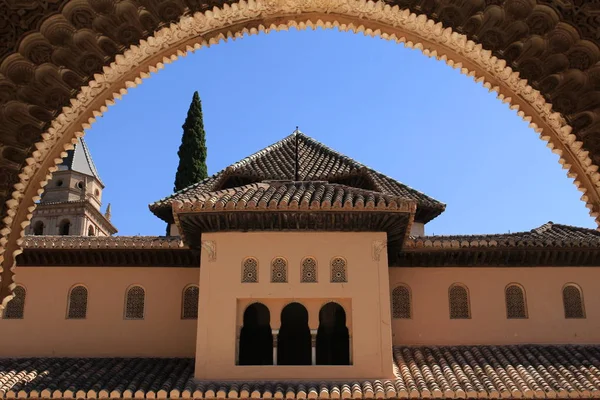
{"points": [[226, 211], [98, 251]]}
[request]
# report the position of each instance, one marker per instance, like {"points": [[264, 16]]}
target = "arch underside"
{"points": [[63, 61]]}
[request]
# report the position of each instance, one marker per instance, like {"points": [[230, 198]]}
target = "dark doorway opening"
{"points": [[333, 338], [38, 228], [256, 337], [64, 228], [294, 341]]}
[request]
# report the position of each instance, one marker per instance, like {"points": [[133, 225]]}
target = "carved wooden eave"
{"points": [[119, 251], [295, 206], [548, 245], [499, 257]]}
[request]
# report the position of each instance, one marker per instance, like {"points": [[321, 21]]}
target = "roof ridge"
{"points": [[360, 165], [89, 159]]}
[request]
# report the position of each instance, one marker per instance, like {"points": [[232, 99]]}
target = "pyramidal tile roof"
{"points": [[299, 157], [80, 160]]}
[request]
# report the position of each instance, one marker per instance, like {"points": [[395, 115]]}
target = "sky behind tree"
{"points": [[391, 108]]}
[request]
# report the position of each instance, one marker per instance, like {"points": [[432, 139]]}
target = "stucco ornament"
{"points": [[377, 248], [200, 29], [210, 246]]}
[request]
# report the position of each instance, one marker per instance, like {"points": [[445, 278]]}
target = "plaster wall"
{"points": [[224, 297], [546, 323], [45, 331]]}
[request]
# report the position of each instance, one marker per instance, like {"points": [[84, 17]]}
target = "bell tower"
{"points": [[70, 204]]}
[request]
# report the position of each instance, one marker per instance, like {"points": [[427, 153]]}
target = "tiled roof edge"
{"points": [[420, 372], [532, 238], [102, 242]]}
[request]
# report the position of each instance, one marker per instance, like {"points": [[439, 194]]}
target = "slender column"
{"points": [[313, 346], [275, 333], [237, 345]]}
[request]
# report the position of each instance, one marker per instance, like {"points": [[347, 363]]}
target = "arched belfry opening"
{"points": [[256, 338], [294, 340], [333, 338]]}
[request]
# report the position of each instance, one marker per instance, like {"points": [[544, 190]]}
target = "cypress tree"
{"points": [[192, 152]]}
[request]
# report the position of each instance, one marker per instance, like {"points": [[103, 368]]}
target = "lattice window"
{"points": [[134, 303], [189, 307], [573, 302], [250, 270], [459, 302], [78, 298], [309, 270], [515, 302], [338, 270], [16, 306], [279, 270], [401, 307]]}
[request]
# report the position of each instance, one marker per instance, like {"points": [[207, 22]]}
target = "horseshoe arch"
{"points": [[38, 80]]}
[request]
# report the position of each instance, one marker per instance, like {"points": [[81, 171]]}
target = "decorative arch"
{"points": [[294, 341], [573, 301], [63, 64], [458, 298], [189, 302], [333, 337], [256, 337], [401, 302], [91, 231], [15, 309], [77, 302], [516, 303], [135, 302]]}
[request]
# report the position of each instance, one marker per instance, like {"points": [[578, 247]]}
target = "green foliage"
{"points": [[192, 152]]}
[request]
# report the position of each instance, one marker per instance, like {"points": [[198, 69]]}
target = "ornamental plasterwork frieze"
{"points": [[210, 246], [377, 247], [195, 31]]}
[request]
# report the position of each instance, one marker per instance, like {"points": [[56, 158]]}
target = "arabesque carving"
{"points": [[79, 55]]}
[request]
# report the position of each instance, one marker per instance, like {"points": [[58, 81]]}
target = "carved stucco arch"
{"points": [[82, 54]]}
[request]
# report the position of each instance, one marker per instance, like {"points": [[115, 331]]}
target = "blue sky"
{"points": [[391, 108]]}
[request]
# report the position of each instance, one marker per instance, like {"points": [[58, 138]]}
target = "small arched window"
{"points": [[38, 228], [134, 302], [189, 303], [91, 230], [78, 299], [339, 270], [308, 273], [515, 302], [401, 305], [458, 297], [279, 270], [250, 270], [573, 301], [15, 308], [64, 227]]}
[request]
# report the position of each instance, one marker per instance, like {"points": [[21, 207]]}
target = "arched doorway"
{"points": [[64, 227], [294, 341], [333, 338], [256, 339]]}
